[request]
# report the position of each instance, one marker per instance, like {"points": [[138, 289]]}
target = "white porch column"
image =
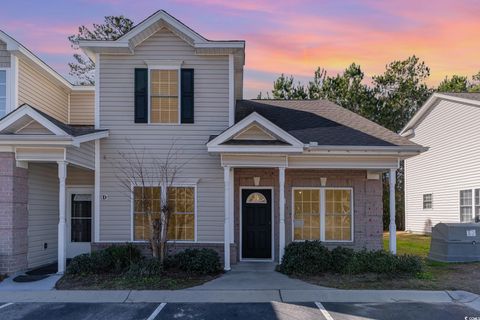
{"points": [[227, 178], [393, 227], [62, 221], [281, 205]]}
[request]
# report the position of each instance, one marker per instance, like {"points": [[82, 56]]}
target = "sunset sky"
{"points": [[293, 37]]}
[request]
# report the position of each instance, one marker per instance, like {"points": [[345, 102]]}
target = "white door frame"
{"points": [[72, 189], [273, 224]]}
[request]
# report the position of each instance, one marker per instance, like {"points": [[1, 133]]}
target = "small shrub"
{"points": [[114, 259], [198, 261], [120, 257], [343, 260], [81, 264], [312, 258], [410, 264], [307, 258], [145, 268]]}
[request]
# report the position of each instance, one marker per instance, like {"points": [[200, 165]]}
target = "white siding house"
{"points": [[443, 184]]}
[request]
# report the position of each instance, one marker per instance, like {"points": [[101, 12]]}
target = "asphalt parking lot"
{"points": [[231, 311]]}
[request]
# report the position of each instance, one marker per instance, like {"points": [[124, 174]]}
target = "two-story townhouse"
{"points": [[256, 174]]}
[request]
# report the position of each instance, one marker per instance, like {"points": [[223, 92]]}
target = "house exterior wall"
{"points": [[451, 164], [42, 214], [83, 156], [116, 96], [367, 202], [43, 208], [13, 214], [243, 177], [40, 92], [4, 56], [82, 107]]}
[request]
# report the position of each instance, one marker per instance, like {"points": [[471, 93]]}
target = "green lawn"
{"points": [[436, 276], [408, 243]]}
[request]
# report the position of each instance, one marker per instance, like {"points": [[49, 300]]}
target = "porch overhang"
{"points": [[37, 137]]}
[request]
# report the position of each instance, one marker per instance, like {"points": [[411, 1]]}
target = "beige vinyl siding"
{"points": [[4, 56], [451, 164], [43, 208], [83, 156], [42, 213], [40, 92], [82, 107], [79, 176], [117, 114]]}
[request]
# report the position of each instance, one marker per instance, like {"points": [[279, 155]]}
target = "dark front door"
{"points": [[256, 224]]}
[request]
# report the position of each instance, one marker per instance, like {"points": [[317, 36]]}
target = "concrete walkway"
{"points": [[256, 276], [41, 285]]}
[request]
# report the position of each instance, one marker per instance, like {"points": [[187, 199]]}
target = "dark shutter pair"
{"points": [[186, 95]]}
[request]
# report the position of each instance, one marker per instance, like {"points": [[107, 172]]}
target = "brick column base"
{"points": [[13, 215]]}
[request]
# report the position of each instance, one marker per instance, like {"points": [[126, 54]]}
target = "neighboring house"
{"points": [[443, 184], [259, 175]]}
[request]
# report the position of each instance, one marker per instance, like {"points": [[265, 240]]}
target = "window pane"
{"points": [[164, 96], [466, 214], [427, 201], [338, 215], [182, 219], [81, 218], [146, 210], [307, 214]]}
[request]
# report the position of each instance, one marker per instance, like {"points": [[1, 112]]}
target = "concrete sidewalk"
{"points": [[246, 283], [241, 296]]}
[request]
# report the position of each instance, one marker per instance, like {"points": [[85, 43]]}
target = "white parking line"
{"points": [[324, 311], [6, 305], [157, 311]]}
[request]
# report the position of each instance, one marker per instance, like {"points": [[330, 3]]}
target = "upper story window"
{"points": [[3, 92], [427, 201], [164, 96]]}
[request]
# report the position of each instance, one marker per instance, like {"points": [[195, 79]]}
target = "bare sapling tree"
{"points": [[151, 171]]}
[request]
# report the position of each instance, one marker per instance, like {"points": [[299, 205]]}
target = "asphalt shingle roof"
{"points": [[75, 131], [321, 121], [464, 95]]}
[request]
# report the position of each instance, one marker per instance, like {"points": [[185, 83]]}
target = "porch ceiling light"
{"points": [[323, 181], [256, 181]]}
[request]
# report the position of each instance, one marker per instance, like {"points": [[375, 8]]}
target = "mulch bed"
{"points": [[168, 281], [438, 276]]}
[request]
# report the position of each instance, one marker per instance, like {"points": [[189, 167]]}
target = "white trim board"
{"points": [[409, 128], [126, 43]]}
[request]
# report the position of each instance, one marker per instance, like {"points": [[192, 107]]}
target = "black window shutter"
{"points": [[141, 95], [187, 112]]}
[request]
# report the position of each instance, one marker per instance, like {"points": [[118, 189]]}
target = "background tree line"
{"points": [[389, 99]]}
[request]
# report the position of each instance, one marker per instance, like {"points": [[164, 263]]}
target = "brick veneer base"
{"points": [[13, 214]]}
